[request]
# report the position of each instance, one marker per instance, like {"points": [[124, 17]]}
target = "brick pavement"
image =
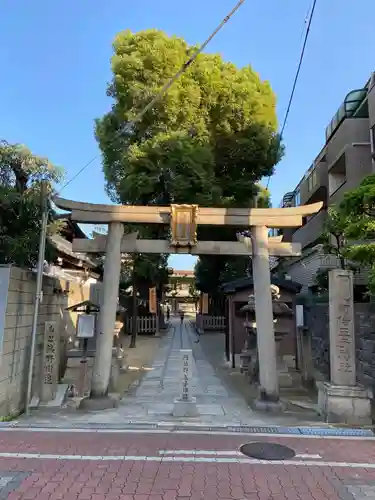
{"points": [[132, 466]]}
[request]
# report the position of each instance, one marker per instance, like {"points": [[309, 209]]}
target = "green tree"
{"points": [[207, 141], [212, 272], [333, 235], [335, 243], [21, 173], [358, 209]]}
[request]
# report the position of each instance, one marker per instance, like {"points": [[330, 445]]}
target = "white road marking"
{"points": [[229, 453], [163, 459]]}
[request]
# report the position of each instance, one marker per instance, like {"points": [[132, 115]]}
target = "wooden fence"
{"points": [[204, 322], [144, 324]]}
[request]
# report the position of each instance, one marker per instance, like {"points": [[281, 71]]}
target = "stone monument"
{"points": [[341, 399], [186, 406], [50, 362], [51, 393]]}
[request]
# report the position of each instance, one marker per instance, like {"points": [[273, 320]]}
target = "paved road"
{"points": [[163, 381], [166, 466]]}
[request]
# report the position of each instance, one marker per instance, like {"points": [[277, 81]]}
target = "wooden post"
{"points": [[133, 341]]}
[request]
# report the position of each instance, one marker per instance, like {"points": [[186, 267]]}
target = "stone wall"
{"points": [[316, 321], [17, 296]]}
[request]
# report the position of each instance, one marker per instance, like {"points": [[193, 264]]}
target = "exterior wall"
{"points": [[351, 147], [351, 130], [358, 165], [303, 269], [17, 296], [371, 106], [316, 192], [353, 137], [316, 321], [310, 232]]}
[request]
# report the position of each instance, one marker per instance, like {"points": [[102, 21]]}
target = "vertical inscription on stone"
{"points": [[186, 374], [341, 326], [50, 361]]}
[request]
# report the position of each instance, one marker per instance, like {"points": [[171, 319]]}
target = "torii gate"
{"points": [[183, 220]]}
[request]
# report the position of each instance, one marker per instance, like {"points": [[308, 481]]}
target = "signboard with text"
{"points": [[152, 300], [205, 303]]}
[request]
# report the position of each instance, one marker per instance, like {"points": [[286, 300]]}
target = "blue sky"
{"points": [[55, 59]]}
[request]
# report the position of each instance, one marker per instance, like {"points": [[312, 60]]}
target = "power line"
{"points": [[165, 87], [310, 18]]}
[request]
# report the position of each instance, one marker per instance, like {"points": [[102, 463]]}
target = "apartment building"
{"points": [[345, 159]]}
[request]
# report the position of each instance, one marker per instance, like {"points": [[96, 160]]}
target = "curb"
{"points": [[171, 427]]}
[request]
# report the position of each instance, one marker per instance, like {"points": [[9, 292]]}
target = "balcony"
{"points": [[347, 109], [311, 231], [337, 175], [348, 169], [314, 186], [353, 131]]}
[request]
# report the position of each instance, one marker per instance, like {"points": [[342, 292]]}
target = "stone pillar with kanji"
{"points": [[342, 399], [186, 406], [50, 369]]}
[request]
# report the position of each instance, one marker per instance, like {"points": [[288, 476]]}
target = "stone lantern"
{"points": [[249, 356]]}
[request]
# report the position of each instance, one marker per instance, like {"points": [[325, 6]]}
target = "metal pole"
{"points": [[38, 295]]}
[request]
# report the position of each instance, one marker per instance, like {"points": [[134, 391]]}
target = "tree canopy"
{"points": [[333, 235], [21, 173], [208, 141], [358, 209]]}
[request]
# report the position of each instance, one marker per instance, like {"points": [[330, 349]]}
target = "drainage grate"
{"points": [[267, 451], [264, 430], [336, 431]]}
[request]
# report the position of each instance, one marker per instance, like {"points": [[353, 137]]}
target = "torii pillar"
{"points": [[268, 376], [101, 371]]}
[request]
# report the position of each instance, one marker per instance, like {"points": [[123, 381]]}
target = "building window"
{"points": [[297, 198], [312, 180], [373, 141]]}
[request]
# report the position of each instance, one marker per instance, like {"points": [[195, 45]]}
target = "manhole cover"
{"points": [[267, 451]]}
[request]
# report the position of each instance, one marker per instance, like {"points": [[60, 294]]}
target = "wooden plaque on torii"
{"points": [[183, 225]]}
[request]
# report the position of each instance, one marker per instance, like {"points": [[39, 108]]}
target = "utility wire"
{"points": [[165, 87], [310, 18]]}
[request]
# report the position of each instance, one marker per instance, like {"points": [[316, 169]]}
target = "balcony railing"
{"points": [[347, 109]]}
